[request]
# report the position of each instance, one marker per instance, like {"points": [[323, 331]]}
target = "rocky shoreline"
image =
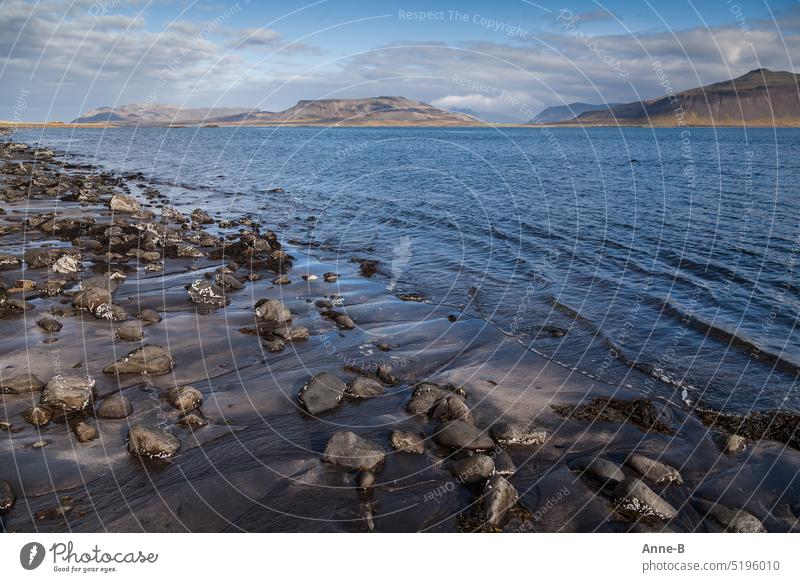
{"points": [[167, 370]]}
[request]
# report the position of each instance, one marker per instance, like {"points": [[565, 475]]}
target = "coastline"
{"points": [[250, 397]]}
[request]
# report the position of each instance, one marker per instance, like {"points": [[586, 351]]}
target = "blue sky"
{"points": [[501, 60]]}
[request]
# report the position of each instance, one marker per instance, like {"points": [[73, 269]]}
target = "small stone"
{"points": [[207, 293], [600, 469], [154, 443], [653, 470], [365, 480], [292, 334], [273, 310], [460, 434], [123, 203], [40, 444], [8, 496], [91, 298], [68, 392], [274, 344], [427, 394], [407, 442], [67, 264], [21, 384], [633, 496], [192, 421], [49, 324], [518, 433], [349, 451], [323, 392], [84, 432], [498, 497], [330, 277], [185, 398], [38, 416], [115, 407], [149, 316], [733, 444], [364, 387], [228, 281], [145, 360], [344, 322], [470, 470], [310, 278], [281, 280], [131, 332], [200, 216], [384, 347], [110, 312], [503, 464]]}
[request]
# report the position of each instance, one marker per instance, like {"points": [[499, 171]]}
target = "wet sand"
{"points": [[257, 463]]}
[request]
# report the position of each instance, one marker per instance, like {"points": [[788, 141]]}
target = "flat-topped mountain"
{"points": [[367, 111], [760, 97]]}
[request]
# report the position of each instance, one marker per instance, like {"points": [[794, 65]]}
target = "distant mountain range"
{"points": [[567, 112], [760, 97], [368, 111]]}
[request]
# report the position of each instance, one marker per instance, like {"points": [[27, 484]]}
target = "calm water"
{"points": [[667, 253]]}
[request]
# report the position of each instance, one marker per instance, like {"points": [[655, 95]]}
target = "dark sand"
{"points": [[256, 465]]}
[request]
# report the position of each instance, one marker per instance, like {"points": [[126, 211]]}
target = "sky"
{"points": [[502, 60]]}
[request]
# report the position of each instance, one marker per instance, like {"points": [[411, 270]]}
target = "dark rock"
{"points": [[207, 293], [498, 497], [323, 392], [49, 324], [518, 433], [228, 281], [600, 469], [131, 332], [330, 277], [781, 426], [503, 464], [415, 297], [452, 407], [732, 520], [145, 360], [281, 280], [200, 216], [292, 334], [274, 344], [351, 452], [460, 434], [21, 384], [154, 443], [91, 298], [427, 394], [115, 407], [365, 480], [192, 421], [38, 415], [407, 442], [84, 432], [8, 496], [363, 387], [640, 412], [273, 310], [732, 444], [185, 398], [653, 470], [384, 347], [68, 392], [344, 322], [634, 497], [148, 316], [470, 470]]}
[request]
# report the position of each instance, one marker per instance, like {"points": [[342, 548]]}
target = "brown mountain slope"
{"points": [[760, 97], [368, 111]]}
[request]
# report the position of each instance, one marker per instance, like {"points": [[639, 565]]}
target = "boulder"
{"points": [[503, 464], [732, 444], [407, 442], [84, 431], [452, 407], [67, 264], [20, 384], [349, 451], [123, 203], [322, 392], [49, 324], [115, 407], [148, 316], [38, 415], [364, 387], [634, 497], [200, 216], [8, 496], [600, 469], [470, 470], [273, 310], [732, 520], [518, 433], [653, 470], [427, 394], [498, 497], [68, 392], [460, 434], [185, 398], [153, 443], [131, 332], [228, 281], [145, 360], [207, 293], [90, 298]]}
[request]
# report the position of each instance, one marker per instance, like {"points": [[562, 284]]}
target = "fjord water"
{"points": [[662, 259]]}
